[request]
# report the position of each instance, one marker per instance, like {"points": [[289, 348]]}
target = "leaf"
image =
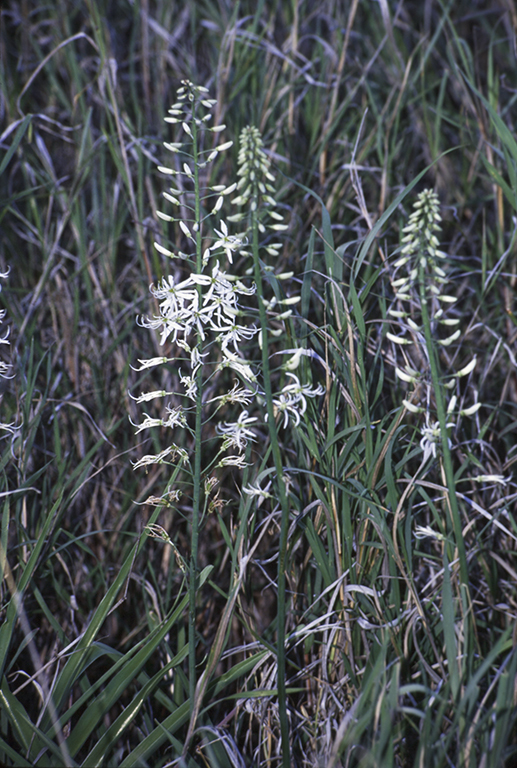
{"points": [[76, 663], [131, 668], [20, 133]]}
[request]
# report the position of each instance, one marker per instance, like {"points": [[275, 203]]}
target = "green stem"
{"points": [[284, 525], [455, 519], [196, 479]]}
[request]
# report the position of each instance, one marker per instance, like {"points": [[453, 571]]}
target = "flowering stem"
{"points": [[196, 496], [284, 525], [186, 310], [442, 419]]}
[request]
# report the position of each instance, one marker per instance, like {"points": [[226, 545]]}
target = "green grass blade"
{"points": [[18, 136], [97, 709], [7, 628], [451, 647], [75, 664]]}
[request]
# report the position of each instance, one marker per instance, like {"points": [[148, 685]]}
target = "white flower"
{"points": [[431, 437], [422, 532], [188, 172], [498, 479], [397, 339], [256, 490], [237, 394], [448, 341], [409, 378], [190, 385], [288, 407], [176, 418], [298, 392], [412, 408], [218, 283], [233, 334], [196, 358], [158, 459], [4, 367], [170, 327], [234, 461], [146, 396], [164, 251], [229, 243], [236, 434], [467, 369], [294, 361], [472, 410], [452, 404], [237, 364], [152, 362], [174, 297]]}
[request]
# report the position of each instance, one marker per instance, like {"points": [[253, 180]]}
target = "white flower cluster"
{"points": [[431, 438], [292, 402], [203, 314], [424, 284], [4, 367], [420, 314], [203, 309], [184, 311], [256, 188], [424, 278]]}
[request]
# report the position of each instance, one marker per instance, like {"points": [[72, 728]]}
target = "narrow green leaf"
{"points": [[448, 613], [147, 748], [13, 755], [97, 756], [7, 627], [32, 739], [496, 176], [102, 704], [75, 664], [18, 136]]}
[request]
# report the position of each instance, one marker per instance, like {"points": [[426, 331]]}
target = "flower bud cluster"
{"points": [[420, 314], [192, 113], [421, 297], [256, 188], [258, 206], [425, 279]]}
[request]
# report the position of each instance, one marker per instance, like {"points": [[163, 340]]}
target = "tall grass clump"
{"points": [[258, 404]]}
